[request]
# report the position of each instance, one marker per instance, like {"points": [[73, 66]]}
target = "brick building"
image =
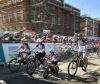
{"points": [[17, 16], [98, 27], [54, 15], [89, 26]]}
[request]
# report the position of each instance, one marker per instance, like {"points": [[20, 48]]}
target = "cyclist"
{"points": [[24, 48], [41, 50], [81, 45], [54, 61], [53, 57], [63, 51]]}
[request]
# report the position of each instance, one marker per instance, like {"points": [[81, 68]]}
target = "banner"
{"points": [[2, 58], [46, 31], [8, 49]]}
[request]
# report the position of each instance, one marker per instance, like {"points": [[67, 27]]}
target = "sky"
{"points": [[87, 7]]}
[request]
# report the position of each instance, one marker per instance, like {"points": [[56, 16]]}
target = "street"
{"points": [[92, 76]]}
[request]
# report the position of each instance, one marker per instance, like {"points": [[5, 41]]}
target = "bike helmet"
{"points": [[51, 50], [39, 40]]}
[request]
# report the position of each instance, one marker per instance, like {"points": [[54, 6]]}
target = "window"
{"points": [[10, 16], [4, 18], [14, 16], [9, 2], [19, 0], [1, 17], [20, 15], [53, 20], [13, 1], [33, 15], [60, 21], [34, 1], [76, 26]]}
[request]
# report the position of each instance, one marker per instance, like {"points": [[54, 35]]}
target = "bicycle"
{"points": [[76, 62], [34, 63], [15, 63], [50, 68]]}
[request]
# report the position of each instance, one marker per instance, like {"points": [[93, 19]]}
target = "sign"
{"points": [[2, 58], [46, 31], [8, 49], [1, 33]]}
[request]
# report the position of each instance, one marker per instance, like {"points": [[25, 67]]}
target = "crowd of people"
{"points": [[32, 38], [17, 37]]}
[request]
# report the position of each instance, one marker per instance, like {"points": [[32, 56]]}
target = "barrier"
{"points": [[9, 48], [2, 58]]}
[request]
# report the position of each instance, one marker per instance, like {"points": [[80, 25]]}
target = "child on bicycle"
{"points": [[41, 50], [53, 57], [54, 62]]}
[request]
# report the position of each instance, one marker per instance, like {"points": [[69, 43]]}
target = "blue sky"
{"points": [[89, 7]]}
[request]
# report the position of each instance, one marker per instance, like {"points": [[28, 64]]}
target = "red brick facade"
{"points": [[40, 14], [98, 28], [89, 26]]}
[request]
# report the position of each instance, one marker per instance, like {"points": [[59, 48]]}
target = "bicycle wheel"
{"points": [[14, 65], [31, 67], [44, 63], [45, 73], [85, 63], [56, 70], [72, 68]]}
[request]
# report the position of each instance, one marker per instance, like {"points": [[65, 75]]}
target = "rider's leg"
{"points": [[80, 54]]}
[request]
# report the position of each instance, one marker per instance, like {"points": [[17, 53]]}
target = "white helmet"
{"points": [[39, 40]]}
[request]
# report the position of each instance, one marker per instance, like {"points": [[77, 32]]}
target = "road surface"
{"points": [[92, 76]]}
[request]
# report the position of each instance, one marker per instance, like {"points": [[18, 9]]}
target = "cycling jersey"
{"points": [[80, 46], [25, 48], [40, 47], [53, 58]]}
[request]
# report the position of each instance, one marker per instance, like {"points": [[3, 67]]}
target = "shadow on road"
{"points": [[94, 74], [92, 77], [26, 80], [88, 79], [93, 64]]}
